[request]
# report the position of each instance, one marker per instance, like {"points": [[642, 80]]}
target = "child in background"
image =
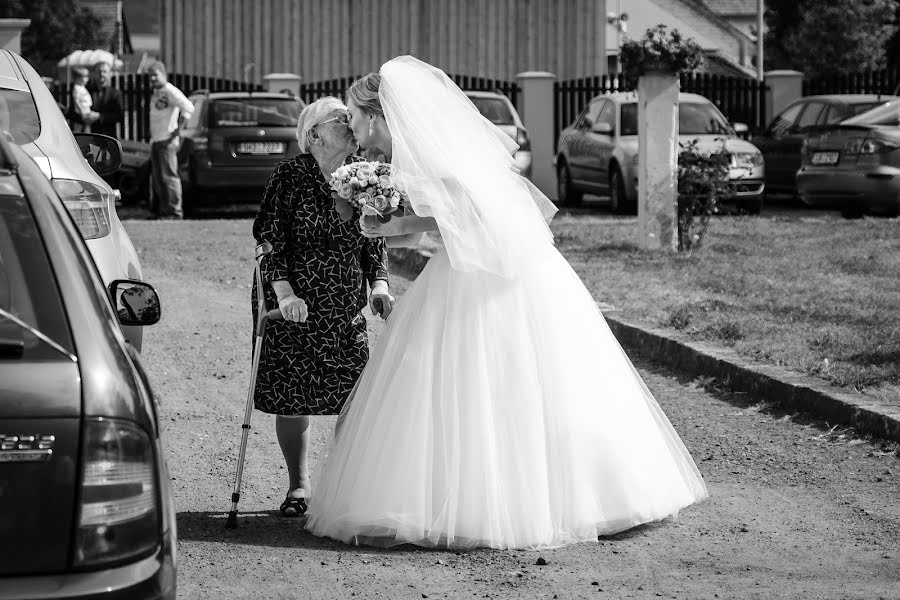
{"points": [[82, 100]]}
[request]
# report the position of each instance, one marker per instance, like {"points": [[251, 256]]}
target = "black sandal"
{"points": [[293, 507]]}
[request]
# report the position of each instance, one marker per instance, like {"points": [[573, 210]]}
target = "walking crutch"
{"points": [[262, 318]]}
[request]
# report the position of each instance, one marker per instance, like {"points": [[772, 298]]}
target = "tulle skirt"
{"points": [[500, 413]]}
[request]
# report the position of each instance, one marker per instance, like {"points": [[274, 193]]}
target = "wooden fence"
{"points": [[309, 92], [884, 81], [136, 91], [741, 100]]}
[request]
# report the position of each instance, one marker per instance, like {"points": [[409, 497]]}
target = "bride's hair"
{"points": [[364, 93]]}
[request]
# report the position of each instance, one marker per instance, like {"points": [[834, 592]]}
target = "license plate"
{"points": [[261, 148], [825, 158]]}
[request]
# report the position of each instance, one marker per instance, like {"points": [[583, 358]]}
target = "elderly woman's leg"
{"points": [[293, 437]]}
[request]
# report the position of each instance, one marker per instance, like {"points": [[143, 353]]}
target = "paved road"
{"points": [[797, 510]]}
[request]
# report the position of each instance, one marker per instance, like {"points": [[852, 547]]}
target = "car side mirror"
{"points": [[136, 302], [603, 128], [102, 152]]}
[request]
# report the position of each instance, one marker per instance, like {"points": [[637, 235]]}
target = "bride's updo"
{"points": [[364, 93]]}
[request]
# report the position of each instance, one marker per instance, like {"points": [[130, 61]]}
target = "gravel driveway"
{"points": [[797, 510]]}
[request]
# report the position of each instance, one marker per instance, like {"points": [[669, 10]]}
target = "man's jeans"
{"points": [[166, 182]]}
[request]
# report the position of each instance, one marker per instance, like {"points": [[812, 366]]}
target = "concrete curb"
{"points": [[782, 387]]}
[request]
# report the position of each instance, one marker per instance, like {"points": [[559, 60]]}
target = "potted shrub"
{"points": [[660, 50]]}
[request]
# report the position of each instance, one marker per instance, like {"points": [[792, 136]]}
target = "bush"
{"points": [[703, 182], [660, 50]]}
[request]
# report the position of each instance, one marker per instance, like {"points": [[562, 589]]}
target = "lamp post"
{"points": [[760, 34]]}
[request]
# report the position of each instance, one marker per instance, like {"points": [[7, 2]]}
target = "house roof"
{"points": [[732, 8]]}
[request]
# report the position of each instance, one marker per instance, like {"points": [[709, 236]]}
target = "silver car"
{"points": [[33, 119], [498, 109], [598, 153]]}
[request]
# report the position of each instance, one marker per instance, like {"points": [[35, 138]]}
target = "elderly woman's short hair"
{"points": [[312, 115]]}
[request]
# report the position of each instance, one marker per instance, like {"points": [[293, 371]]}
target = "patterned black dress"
{"points": [[310, 368]]}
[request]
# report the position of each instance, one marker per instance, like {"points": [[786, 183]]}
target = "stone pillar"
{"points": [[11, 34], [783, 88], [283, 82], [658, 161], [536, 110]]}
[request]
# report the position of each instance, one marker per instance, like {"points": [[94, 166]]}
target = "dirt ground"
{"points": [[797, 509]]}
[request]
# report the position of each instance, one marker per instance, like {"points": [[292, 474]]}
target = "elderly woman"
{"points": [[319, 270]]}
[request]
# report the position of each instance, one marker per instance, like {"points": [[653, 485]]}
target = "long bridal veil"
{"points": [[457, 167]]}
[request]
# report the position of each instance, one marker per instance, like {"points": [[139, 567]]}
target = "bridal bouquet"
{"points": [[366, 188]]}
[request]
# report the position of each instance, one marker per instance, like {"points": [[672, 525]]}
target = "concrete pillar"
{"points": [[783, 88], [283, 82], [536, 110], [11, 34], [658, 161]]}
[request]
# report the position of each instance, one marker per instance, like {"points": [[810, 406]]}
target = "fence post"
{"points": [[536, 110], [783, 87]]}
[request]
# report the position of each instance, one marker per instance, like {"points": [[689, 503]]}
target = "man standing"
{"points": [[107, 101], [169, 110]]}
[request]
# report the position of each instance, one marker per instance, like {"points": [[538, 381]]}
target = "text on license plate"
{"points": [[261, 147], [825, 158]]}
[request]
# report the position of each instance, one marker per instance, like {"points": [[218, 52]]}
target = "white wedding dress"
{"points": [[497, 408]]}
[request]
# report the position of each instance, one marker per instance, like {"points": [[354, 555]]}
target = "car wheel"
{"points": [[752, 205], [565, 190], [618, 200]]}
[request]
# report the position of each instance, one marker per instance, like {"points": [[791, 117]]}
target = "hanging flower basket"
{"points": [[661, 51]]}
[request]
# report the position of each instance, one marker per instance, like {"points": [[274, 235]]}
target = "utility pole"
{"points": [[760, 33]]}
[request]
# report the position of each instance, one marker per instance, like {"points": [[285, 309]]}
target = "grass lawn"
{"points": [[818, 295]]}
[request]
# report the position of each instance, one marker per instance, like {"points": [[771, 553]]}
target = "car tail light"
{"points": [[87, 203], [119, 512], [876, 146], [522, 139], [853, 146]]}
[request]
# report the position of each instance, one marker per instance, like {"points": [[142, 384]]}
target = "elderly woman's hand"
{"points": [[372, 227], [380, 300], [293, 308]]}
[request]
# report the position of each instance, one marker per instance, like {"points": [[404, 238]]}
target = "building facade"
{"points": [[325, 39]]}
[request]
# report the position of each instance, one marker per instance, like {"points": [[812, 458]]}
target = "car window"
{"points": [[28, 289], [811, 115], [255, 112], [494, 110], [833, 114], [198, 102], [591, 114], [608, 115], [701, 118], [19, 116], [886, 114], [786, 119], [858, 109]]}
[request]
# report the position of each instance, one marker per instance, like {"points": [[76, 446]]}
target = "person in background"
{"points": [[107, 101], [169, 110], [82, 113]]}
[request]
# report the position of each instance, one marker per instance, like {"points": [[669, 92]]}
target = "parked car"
{"points": [[499, 110], [234, 140], [782, 140], [598, 153], [855, 164], [86, 510], [33, 119]]}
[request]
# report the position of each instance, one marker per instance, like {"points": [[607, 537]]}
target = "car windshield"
{"points": [[885, 114], [19, 116], [694, 118], [255, 112], [494, 110], [28, 290]]}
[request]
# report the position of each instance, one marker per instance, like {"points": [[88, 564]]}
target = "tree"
{"points": [[828, 37], [57, 28]]}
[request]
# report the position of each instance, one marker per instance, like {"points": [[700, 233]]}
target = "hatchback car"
{"points": [[86, 510], [854, 165], [598, 153], [782, 141], [499, 110], [33, 119], [233, 141]]}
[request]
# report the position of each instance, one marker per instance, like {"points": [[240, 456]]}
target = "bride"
{"points": [[497, 408]]}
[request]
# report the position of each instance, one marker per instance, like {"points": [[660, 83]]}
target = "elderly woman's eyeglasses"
{"points": [[341, 118]]}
